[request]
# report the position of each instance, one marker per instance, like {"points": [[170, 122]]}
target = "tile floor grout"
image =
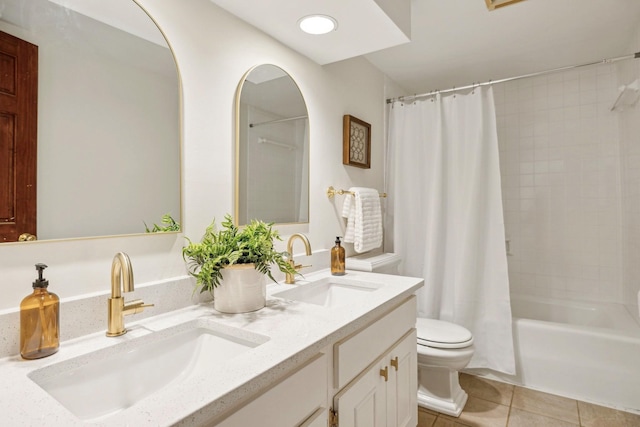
{"points": [[492, 404], [578, 410]]}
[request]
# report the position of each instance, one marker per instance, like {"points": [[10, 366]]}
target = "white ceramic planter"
{"points": [[242, 289]]}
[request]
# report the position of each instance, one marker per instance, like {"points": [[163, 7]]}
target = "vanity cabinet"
{"points": [[369, 380], [376, 373], [298, 400]]}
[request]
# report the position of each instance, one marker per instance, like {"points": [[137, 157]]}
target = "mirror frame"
{"points": [[236, 184]]}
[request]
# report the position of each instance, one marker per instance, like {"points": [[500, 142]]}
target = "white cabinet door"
{"points": [[402, 388], [384, 395], [363, 403]]}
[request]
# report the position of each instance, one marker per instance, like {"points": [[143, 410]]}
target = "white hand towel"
{"points": [[364, 219]]}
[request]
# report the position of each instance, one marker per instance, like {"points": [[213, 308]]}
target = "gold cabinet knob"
{"points": [[27, 237], [385, 373], [394, 363]]}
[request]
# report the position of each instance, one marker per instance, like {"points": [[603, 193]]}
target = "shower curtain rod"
{"points": [[490, 82], [253, 125]]}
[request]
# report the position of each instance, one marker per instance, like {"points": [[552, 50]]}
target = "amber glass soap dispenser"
{"points": [[337, 259], [39, 320]]}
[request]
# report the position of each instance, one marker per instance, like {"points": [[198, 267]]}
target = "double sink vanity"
{"points": [[327, 345]]}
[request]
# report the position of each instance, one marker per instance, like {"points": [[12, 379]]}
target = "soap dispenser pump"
{"points": [[39, 320], [337, 259]]}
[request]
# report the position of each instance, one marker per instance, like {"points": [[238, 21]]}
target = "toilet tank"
{"points": [[385, 263]]}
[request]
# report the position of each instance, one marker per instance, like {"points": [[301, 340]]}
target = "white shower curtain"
{"points": [[444, 182]]}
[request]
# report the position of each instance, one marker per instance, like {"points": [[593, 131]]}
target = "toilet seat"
{"points": [[440, 334]]}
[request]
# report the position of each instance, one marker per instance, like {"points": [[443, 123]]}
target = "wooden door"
{"points": [[18, 132]]}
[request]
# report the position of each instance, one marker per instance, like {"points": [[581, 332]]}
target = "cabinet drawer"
{"points": [[289, 403], [357, 351]]}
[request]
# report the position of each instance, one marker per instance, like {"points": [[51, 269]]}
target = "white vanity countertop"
{"points": [[296, 332]]}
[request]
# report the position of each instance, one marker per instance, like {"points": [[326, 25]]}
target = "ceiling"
{"points": [[363, 25], [452, 42], [459, 42]]}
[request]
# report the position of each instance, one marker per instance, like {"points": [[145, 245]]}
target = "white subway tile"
{"points": [[569, 163]]}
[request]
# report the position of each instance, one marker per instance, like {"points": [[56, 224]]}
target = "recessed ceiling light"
{"points": [[317, 24]]}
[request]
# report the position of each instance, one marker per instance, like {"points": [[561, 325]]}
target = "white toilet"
{"points": [[443, 347], [385, 263]]}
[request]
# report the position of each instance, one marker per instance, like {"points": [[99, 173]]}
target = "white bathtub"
{"points": [[586, 351]]}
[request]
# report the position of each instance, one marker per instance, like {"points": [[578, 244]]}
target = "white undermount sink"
{"points": [[329, 291], [100, 384]]}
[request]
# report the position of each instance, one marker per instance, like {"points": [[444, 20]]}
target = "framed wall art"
{"points": [[356, 144]]}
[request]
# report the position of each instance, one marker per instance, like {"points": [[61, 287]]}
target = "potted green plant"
{"points": [[232, 264]]}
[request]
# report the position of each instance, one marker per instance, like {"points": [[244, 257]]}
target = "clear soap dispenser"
{"points": [[337, 259], [39, 320]]}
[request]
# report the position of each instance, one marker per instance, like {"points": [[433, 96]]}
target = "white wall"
{"points": [[213, 50], [560, 166]]}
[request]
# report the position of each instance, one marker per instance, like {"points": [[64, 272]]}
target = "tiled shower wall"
{"points": [[560, 165], [628, 72]]}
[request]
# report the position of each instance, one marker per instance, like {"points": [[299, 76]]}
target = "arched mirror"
{"points": [[106, 122], [272, 148]]}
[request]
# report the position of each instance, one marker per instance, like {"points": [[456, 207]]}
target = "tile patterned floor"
{"points": [[496, 404]]}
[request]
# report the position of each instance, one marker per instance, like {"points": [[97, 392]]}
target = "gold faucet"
{"points": [[290, 278], [121, 282]]}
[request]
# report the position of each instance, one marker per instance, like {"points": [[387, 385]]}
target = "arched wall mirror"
{"points": [[272, 148], [108, 124]]}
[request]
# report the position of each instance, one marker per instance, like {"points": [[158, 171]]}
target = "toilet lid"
{"points": [[441, 334]]}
